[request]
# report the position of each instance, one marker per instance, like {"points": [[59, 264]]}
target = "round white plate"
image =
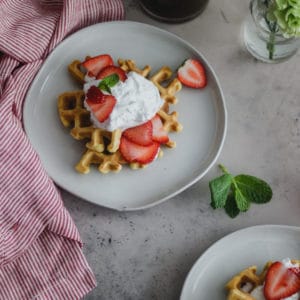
{"points": [[235, 252], [202, 113]]}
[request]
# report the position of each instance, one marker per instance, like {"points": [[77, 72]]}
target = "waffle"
{"points": [[73, 114], [106, 162], [247, 278], [130, 65], [102, 146], [76, 72]]}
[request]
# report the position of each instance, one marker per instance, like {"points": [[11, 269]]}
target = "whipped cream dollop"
{"points": [[258, 292], [138, 100]]}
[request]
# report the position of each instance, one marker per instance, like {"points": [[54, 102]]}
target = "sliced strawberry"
{"points": [[95, 64], [192, 74], [159, 134], [112, 70], [280, 282], [94, 94], [136, 153], [102, 109], [141, 134]]}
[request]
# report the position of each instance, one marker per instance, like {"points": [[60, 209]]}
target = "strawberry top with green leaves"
{"points": [[280, 282], [192, 74]]}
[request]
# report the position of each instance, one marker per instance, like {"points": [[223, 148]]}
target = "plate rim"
{"points": [[221, 240], [224, 113]]}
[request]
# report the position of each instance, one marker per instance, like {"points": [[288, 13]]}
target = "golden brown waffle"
{"points": [[106, 162], [167, 92], [241, 285], [237, 283], [73, 114], [102, 146], [129, 65], [75, 71]]}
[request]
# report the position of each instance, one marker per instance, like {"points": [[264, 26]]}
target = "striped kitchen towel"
{"points": [[40, 247]]}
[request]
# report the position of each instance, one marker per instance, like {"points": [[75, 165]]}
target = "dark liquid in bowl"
{"points": [[173, 10]]}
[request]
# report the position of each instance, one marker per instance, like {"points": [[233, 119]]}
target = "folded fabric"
{"points": [[40, 247]]}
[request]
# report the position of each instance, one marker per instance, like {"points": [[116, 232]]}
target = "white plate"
{"points": [[202, 113], [235, 252]]}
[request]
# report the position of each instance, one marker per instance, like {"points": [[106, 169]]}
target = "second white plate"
{"points": [[235, 252], [202, 113]]}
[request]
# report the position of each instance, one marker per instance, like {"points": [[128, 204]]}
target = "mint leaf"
{"points": [[104, 87], [111, 80], [230, 207], [108, 82], [254, 189], [219, 189], [235, 194], [241, 201]]}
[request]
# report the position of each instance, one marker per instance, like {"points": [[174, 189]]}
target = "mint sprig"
{"points": [[236, 193], [108, 82]]}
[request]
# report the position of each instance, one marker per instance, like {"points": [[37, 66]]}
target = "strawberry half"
{"points": [[112, 70], [95, 64], [102, 109], [141, 134], [94, 94], [280, 282], [159, 134], [136, 153], [192, 74]]}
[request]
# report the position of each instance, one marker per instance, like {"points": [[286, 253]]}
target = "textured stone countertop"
{"points": [[148, 254]]}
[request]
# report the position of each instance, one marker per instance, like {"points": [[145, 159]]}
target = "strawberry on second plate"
{"points": [[133, 152], [280, 282], [192, 74], [141, 134], [95, 64], [112, 70], [100, 104]]}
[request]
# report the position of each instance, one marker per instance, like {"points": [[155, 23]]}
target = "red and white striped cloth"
{"points": [[40, 247]]}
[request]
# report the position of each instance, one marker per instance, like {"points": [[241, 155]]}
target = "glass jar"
{"points": [[174, 11], [262, 37]]}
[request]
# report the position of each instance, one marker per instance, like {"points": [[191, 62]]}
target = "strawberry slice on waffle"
{"points": [[109, 70], [159, 134], [133, 152], [95, 64], [141, 134], [100, 104]]}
